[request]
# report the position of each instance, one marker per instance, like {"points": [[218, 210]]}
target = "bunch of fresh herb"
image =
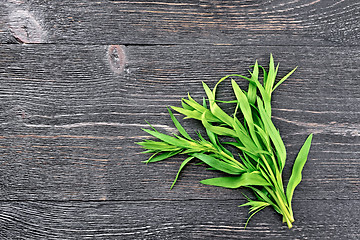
{"points": [[261, 151]]}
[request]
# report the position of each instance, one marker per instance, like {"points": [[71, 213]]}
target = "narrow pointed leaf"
{"points": [[188, 113], [162, 156], [259, 145], [222, 147], [264, 74], [264, 137], [170, 140], [178, 125], [192, 103], [264, 94], [216, 129], [251, 95], [299, 163], [158, 146], [217, 84], [255, 204], [204, 103], [245, 179], [209, 93], [284, 78], [214, 108], [185, 106], [244, 138], [220, 114], [186, 161], [245, 109], [247, 163], [218, 164], [271, 75], [274, 135], [211, 136]]}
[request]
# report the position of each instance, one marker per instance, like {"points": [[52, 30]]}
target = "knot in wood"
{"points": [[117, 58], [25, 28]]}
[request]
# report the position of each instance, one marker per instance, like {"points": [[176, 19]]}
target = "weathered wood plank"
{"points": [[200, 219], [277, 22], [69, 119]]}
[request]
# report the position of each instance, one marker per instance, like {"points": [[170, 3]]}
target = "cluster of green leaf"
{"points": [[261, 155]]}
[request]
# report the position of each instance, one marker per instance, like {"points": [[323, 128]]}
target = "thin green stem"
{"points": [[231, 160], [282, 206]]}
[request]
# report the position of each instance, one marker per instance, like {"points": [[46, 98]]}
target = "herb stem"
{"points": [[281, 205], [231, 160], [262, 151]]}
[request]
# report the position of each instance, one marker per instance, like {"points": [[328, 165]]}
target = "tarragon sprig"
{"points": [[261, 155]]}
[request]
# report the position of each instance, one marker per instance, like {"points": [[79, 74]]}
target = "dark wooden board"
{"points": [[69, 122], [74, 97], [252, 22], [201, 219]]}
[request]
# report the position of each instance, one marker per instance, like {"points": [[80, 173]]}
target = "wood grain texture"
{"points": [[254, 22], [201, 219], [75, 93], [68, 130]]}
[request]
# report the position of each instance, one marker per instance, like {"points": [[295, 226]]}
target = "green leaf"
{"points": [[263, 197], [196, 114], [245, 109], [264, 137], [214, 108], [192, 103], [221, 147], [242, 148], [178, 125], [271, 76], [258, 142], [208, 92], [216, 129], [246, 150], [244, 138], [170, 140], [256, 206], [283, 79], [185, 106], [264, 74], [220, 114], [238, 75], [274, 135], [181, 167], [247, 163], [158, 146], [226, 77], [204, 103], [264, 94], [211, 136], [275, 74], [188, 113], [218, 164], [299, 163], [252, 87], [245, 179], [162, 156], [217, 84]]}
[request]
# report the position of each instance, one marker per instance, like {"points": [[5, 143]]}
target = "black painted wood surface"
{"points": [[78, 79]]}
